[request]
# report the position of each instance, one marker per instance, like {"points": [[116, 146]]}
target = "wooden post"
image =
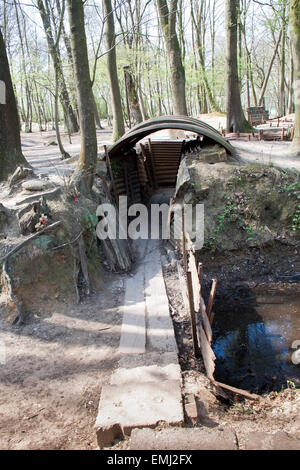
{"points": [[111, 174], [183, 243], [152, 164], [146, 166], [211, 300], [192, 313], [282, 134]]}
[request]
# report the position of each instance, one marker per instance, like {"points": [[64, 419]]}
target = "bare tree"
{"points": [[83, 176], [70, 117], [198, 14], [118, 120]]}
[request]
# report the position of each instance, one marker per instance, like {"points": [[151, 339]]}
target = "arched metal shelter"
{"points": [[139, 132], [154, 163]]}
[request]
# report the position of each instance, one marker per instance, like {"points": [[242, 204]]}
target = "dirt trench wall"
{"points": [[244, 205], [42, 272]]}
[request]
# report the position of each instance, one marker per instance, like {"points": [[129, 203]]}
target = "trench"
{"points": [[252, 338], [252, 333]]}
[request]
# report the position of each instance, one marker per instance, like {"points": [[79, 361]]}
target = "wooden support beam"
{"points": [[207, 353], [145, 164], [195, 280], [192, 313], [237, 391], [183, 286], [184, 252], [111, 174], [205, 321], [211, 299], [152, 163]]}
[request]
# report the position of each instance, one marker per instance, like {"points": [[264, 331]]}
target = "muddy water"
{"points": [[253, 338]]}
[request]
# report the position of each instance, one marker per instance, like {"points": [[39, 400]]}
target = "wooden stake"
{"points": [[192, 313], [211, 299], [184, 244], [146, 166], [237, 391]]}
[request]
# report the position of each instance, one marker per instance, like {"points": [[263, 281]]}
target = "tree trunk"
{"points": [[295, 37], [10, 143], [69, 115], [168, 25], [196, 24], [262, 92], [96, 113], [84, 174], [236, 121], [118, 119]]}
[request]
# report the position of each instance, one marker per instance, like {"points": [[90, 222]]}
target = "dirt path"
{"points": [[54, 370], [45, 158], [56, 365]]}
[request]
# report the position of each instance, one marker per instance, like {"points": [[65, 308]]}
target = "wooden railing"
{"points": [[202, 316]]}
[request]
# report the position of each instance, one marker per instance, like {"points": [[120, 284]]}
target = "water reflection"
{"points": [[252, 341]]}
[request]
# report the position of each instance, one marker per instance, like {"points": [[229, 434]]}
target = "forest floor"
{"points": [[45, 158]]}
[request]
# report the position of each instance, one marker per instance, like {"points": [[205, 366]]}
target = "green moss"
{"points": [[42, 242]]}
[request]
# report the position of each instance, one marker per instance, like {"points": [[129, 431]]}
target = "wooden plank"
{"points": [[152, 164], [183, 242], [195, 281], [192, 313], [207, 353], [205, 321], [211, 299], [183, 286], [145, 164], [237, 391]]}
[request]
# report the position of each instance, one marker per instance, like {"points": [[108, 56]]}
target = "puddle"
{"points": [[252, 340]]}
